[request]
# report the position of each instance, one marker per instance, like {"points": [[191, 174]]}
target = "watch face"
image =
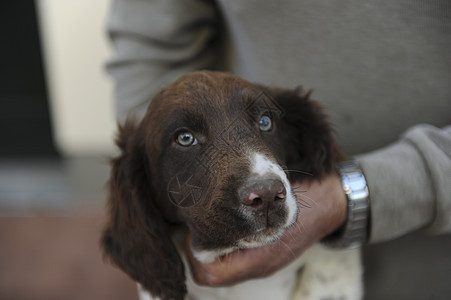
{"points": [[353, 180]]}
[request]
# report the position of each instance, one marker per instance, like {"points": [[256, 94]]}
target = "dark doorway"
{"points": [[25, 127]]}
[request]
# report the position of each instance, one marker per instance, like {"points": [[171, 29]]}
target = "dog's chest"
{"points": [[320, 273]]}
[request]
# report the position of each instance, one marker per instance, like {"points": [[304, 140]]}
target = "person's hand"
{"points": [[322, 209]]}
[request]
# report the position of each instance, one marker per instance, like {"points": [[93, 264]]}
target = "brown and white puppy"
{"points": [[215, 155]]}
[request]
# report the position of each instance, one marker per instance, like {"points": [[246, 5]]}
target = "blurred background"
{"points": [[56, 135]]}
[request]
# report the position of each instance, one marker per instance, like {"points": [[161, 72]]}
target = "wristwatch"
{"points": [[354, 233]]}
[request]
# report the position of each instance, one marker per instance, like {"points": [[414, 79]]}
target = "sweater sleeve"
{"points": [[410, 183], [154, 43]]}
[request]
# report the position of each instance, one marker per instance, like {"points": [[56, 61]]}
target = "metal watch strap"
{"points": [[354, 233]]}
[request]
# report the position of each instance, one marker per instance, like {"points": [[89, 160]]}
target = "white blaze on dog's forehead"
{"points": [[261, 165]]}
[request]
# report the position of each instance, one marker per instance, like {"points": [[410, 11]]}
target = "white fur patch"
{"points": [[262, 166], [208, 256], [145, 295]]}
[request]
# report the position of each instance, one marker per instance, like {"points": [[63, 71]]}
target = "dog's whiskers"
{"points": [[299, 189], [304, 204], [289, 249], [304, 195], [291, 234], [298, 171], [300, 223]]}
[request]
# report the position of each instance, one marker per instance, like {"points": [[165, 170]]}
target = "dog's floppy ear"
{"points": [[308, 136], [136, 237]]}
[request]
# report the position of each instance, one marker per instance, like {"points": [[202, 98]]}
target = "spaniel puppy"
{"points": [[215, 155]]}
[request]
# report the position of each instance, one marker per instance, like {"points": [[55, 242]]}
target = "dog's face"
{"points": [[217, 160], [214, 153]]}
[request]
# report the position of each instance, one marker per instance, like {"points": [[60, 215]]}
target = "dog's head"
{"points": [[216, 154]]}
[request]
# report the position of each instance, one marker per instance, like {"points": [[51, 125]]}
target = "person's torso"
{"points": [[378, 68]]}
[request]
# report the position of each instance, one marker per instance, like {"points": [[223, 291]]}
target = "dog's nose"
{"points": [[262, 194]]}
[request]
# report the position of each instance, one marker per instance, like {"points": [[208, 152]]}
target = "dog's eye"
{"points": [[265, 123], [186, 139]]}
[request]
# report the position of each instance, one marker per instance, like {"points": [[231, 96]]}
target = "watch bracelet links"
{"points": [[355, 231]]}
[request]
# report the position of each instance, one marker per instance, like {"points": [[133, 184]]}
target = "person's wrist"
{"points": [[338, 209]]}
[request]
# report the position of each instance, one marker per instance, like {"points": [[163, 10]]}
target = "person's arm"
{"points": [[154, 43], [410, 183]]}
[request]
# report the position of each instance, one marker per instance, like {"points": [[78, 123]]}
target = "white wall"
{"points": [[75, 51]]}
